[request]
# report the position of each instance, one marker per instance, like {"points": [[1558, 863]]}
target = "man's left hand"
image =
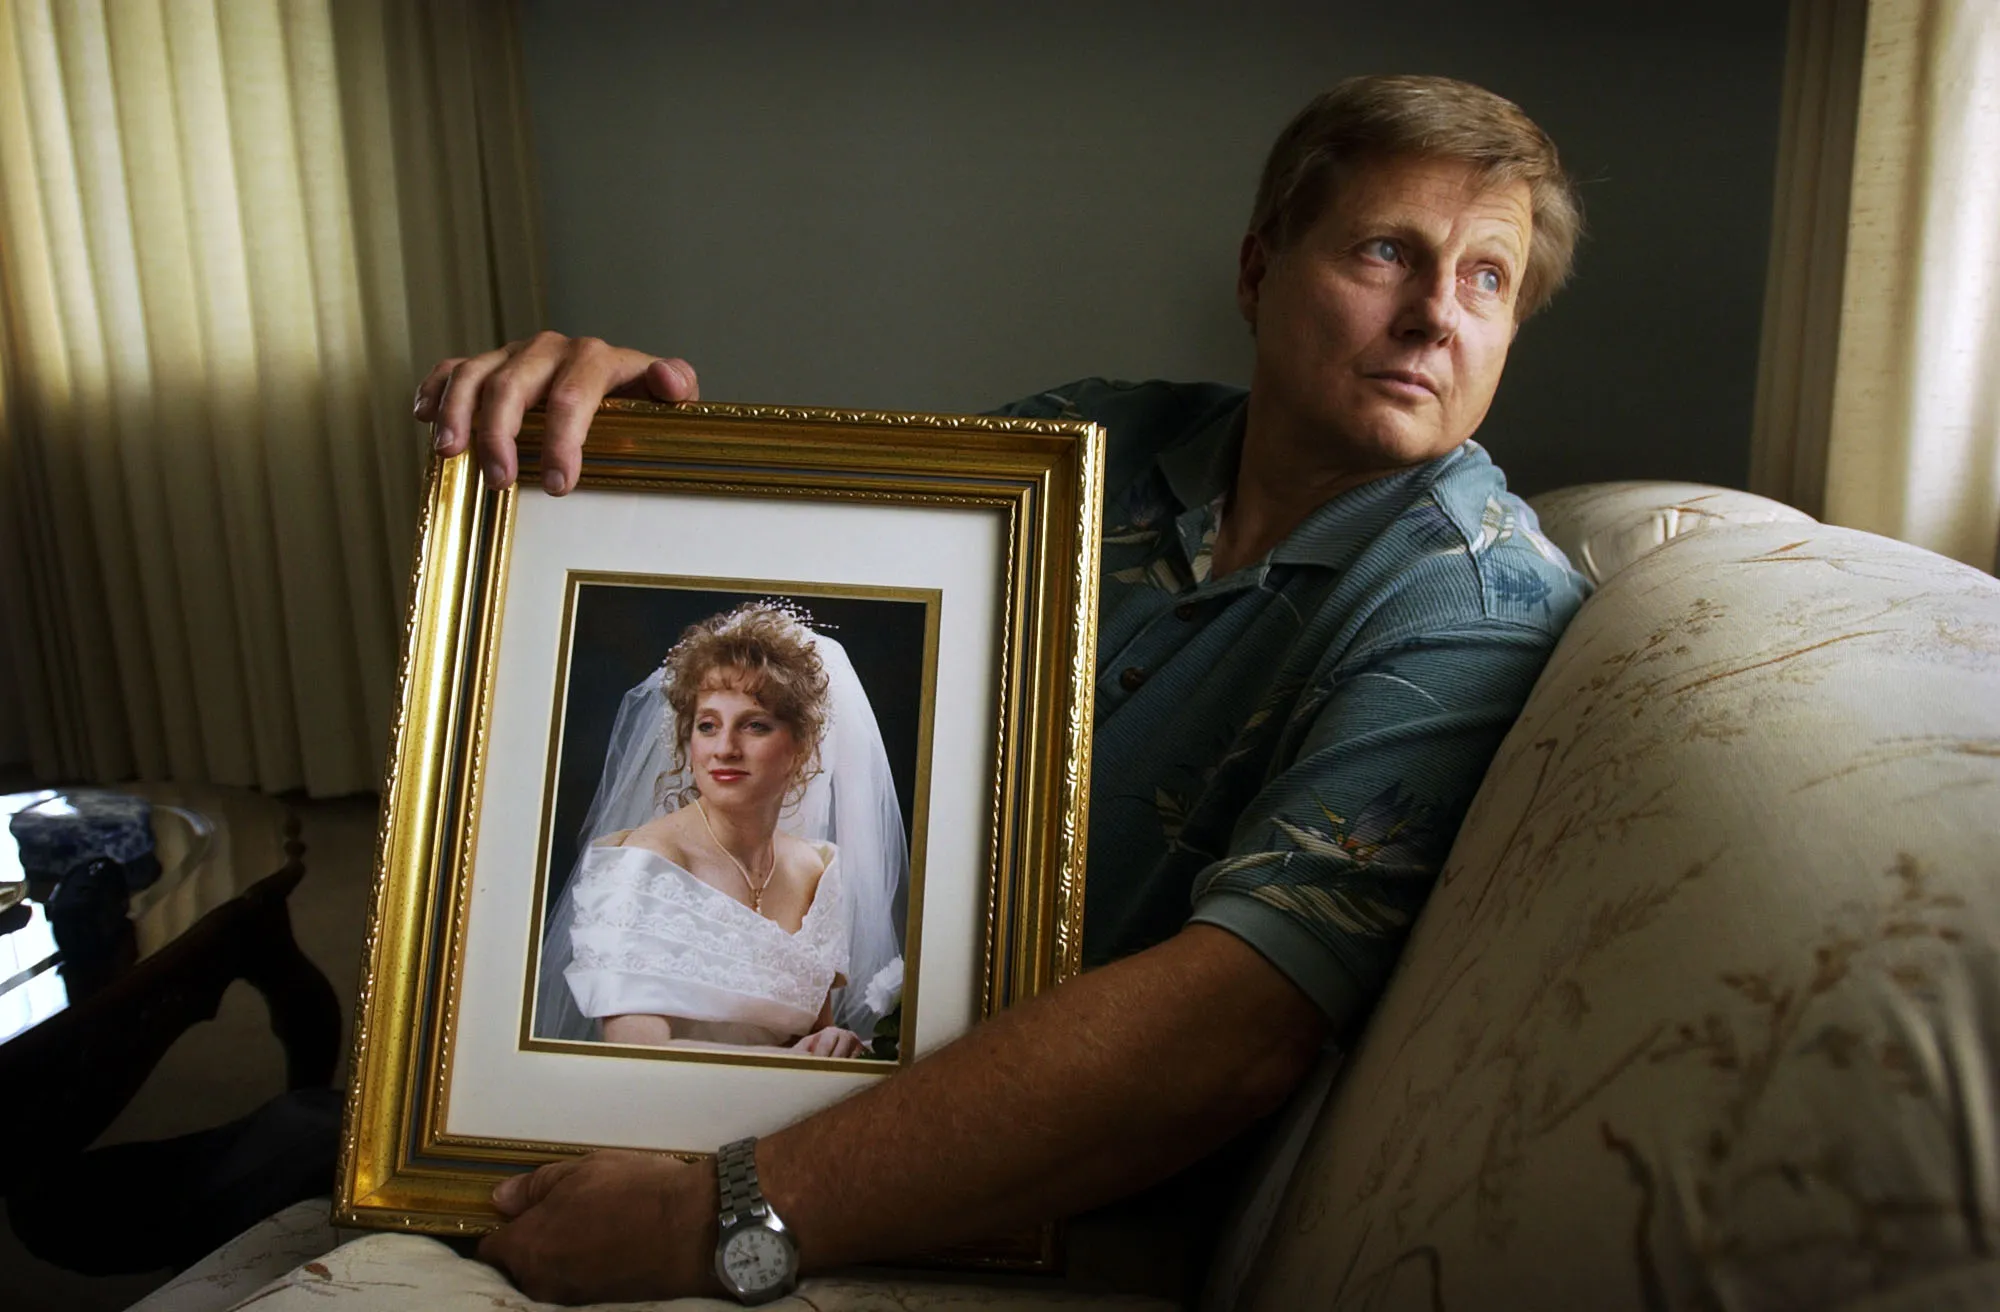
{"points": [[610, 1227]]}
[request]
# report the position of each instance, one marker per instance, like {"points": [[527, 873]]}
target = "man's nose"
{"points": [[1430, 308]]}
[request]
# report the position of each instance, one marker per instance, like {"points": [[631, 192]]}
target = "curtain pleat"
{"points": [[1879, 384], [1914, 451], [1801, 333], [235, 232], [255, 722]]}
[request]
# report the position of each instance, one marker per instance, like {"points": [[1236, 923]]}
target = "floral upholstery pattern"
{"points": [[1705, 1008], [1603, 527], [408, 1273], [250, 1261]]}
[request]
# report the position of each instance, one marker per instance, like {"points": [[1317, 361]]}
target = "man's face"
{"points": [[1384, 326]]}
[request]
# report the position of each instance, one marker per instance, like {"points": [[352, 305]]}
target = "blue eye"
{"points": [[1381, 248], [1488, 281]]}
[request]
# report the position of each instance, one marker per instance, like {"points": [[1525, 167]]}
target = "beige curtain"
{"points": [[1801, 344], [1879, 396], [232, 232]]}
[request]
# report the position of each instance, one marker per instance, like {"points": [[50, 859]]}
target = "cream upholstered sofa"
{"points": [[1704, 1011]]}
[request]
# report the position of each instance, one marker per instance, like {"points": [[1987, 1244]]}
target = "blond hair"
{"points": [[763, 651], [1406, 116]]}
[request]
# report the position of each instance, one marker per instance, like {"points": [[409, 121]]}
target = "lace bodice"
{"points": [[651, 939]]}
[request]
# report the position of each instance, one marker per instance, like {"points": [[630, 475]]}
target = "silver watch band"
{"points": [[736, 1178]]}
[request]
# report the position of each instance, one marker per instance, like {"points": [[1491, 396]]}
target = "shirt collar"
{"points": [[1204, 467], [1340, 527]]}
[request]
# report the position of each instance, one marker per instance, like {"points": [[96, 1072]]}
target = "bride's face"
{"points": [[741, 753]]}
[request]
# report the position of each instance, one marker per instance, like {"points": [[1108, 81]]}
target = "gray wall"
{"points": [[947, 205]]}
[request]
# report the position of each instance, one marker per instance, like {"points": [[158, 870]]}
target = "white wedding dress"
{"points": [[850, 808], [648, 938]]}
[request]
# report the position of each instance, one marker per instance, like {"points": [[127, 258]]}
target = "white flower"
{"points": [[885, 990]]}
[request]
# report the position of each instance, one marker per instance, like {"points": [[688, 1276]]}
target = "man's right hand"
{"points": [[479, 400]]}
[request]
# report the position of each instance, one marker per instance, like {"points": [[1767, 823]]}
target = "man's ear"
{"points": [[1253, 261]]}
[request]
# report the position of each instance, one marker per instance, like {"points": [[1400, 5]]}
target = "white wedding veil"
{"points": [[851, 803]]}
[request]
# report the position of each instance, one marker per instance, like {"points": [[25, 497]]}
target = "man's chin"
{"points": [[1396, 443]]}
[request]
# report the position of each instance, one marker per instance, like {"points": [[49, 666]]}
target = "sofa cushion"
{"points": [[249, 1261], [409, 1273], [1603, 527], [1705, 1008]]}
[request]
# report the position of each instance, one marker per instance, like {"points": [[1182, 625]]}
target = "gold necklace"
{"points": [[756, 889]]}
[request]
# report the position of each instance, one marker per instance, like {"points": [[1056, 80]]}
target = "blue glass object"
{"points": [[72, 831]]}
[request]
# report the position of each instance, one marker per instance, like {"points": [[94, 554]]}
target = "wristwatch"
{"points": [[755, 1257]]}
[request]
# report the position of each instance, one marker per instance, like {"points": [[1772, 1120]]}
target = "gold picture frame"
{"points": [[471, 797]]}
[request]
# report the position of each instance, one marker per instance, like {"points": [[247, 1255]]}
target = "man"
{"points": [[1321, 611]]}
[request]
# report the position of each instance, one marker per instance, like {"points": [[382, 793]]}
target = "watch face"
{"points": [[757, 1259]]}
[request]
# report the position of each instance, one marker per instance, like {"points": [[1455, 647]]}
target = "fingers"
{"points": [[673, 380], [613, 1225], [512, 1251], [829, 1042], [591, 370], [579, 384], [518, 1193], [477, 402], [431, 390], [458, 395], [494, 1248], [505, 393]]}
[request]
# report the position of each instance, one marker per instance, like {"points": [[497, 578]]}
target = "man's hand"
{"points": [[479, 400], [831, 1042], [1063, 1102], [1057, 1104], [610, 1227]]}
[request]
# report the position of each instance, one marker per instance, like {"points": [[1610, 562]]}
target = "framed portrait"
{"points": [[728, 784]]}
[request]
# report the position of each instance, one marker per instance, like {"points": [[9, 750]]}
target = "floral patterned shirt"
{"points": [[1287, 751]]}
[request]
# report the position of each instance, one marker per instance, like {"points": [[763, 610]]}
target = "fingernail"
{"points": [[552, 480], [441, 438], [496, 475], [417, 405]]}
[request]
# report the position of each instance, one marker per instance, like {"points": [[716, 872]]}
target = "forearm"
{"points": [[654, 1030], [1113, 1081]]}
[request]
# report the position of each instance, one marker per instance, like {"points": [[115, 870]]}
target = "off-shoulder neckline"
{"points": [[828, 853]]}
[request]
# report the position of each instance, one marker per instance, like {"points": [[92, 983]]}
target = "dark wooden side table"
{"points": [[77, 1039]]}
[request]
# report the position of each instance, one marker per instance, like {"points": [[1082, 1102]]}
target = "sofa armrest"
{"points": [[1603, 527]]}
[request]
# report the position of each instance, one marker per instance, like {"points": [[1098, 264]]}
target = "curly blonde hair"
{"points": [[762, 650]]}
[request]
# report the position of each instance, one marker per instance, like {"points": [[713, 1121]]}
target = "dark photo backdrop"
{"points": [[622, 632]]}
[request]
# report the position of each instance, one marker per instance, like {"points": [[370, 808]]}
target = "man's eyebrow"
{"points": [[1403, 229], [1497, 243]]}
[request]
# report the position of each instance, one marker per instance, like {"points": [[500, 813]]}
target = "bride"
{"points": [[742, 858]]}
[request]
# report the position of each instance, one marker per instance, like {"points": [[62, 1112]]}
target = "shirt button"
{"points": [[1132, 678], [1184, 611]]}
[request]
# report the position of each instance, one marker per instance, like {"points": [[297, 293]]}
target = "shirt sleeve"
{"points": [[1335, 855]]}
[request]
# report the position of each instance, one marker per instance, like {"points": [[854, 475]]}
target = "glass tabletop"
{"points": [[212, 844]]}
